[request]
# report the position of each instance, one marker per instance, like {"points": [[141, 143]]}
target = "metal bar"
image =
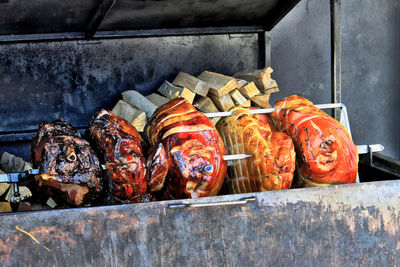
{"points": [[236, 156], [264, 47], [44, 37], [277, 13], [101, 12], [268, 48], [179, 32], [213, 204], [336, 54], [270, 110], [365, 149]]}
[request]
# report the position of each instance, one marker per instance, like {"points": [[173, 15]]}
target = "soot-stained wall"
{"points": [[45, 81]]}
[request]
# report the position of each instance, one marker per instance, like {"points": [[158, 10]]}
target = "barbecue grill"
{"points": [[69, 59]]}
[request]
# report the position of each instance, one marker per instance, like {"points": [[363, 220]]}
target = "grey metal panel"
{"points": [[50, 16], [371, 67], [301, 52], [45, 16], [74, 79], [370, 64], [131, 15], [347, 225]]}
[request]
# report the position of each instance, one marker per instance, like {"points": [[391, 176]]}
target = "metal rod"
{"points": [[179, 32], [44, 37], [270, 110], [336, 54], [268, 48], [236, 156], [213, 204], [365, 149], [264, 48]]}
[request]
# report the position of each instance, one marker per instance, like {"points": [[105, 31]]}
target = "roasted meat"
{"points": [[272, 164], [69, 169], [120, 145], [325, 152], [187, 155]]}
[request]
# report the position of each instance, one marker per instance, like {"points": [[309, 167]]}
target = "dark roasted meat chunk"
{"points": [[69, 168], [121, 148], [187, 155]]}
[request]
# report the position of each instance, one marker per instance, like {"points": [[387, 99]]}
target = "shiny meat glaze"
{"points": [[325, 152], [272, 164], [187, 155], [69, 169], [120, 145]]}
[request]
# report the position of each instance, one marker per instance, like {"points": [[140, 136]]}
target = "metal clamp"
{"points": [[213, 204]]}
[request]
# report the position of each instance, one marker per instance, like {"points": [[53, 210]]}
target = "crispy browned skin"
{"points": [[272, 164], [70, 171], [120, 146], [326, 153], [187, 158]]}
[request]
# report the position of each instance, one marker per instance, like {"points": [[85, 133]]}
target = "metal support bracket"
{"points": [[336, 55], [98, 17]]}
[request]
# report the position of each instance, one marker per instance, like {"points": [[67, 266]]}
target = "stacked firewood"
{"points": [[208, 92]]}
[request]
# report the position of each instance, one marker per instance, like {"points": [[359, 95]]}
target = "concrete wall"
{"points": [[370, 64]]}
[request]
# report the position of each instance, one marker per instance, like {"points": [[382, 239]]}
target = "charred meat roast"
{"points": [[68, 167], [120, 146]]}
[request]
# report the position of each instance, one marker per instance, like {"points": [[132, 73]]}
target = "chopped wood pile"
{"points": [[209, 92]]}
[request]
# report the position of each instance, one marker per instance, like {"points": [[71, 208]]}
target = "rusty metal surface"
{"points": [[350, 225]]}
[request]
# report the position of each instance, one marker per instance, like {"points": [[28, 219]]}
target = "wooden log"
{"points": [[223, 103], [248, 89], [206, 105], [5, 207], [51, 203], [140, 122], [134, 116], [140, 102], [171, 91], [157, 99], [10, 163], [262, 79], [192, 83], [239, 99], [219, 84], [261, 101], [3, 186]]}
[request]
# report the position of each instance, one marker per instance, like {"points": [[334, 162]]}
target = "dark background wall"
{"points": [[370, 64]]}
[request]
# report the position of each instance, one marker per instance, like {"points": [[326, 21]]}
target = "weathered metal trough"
{"points": [[330, 226]]}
